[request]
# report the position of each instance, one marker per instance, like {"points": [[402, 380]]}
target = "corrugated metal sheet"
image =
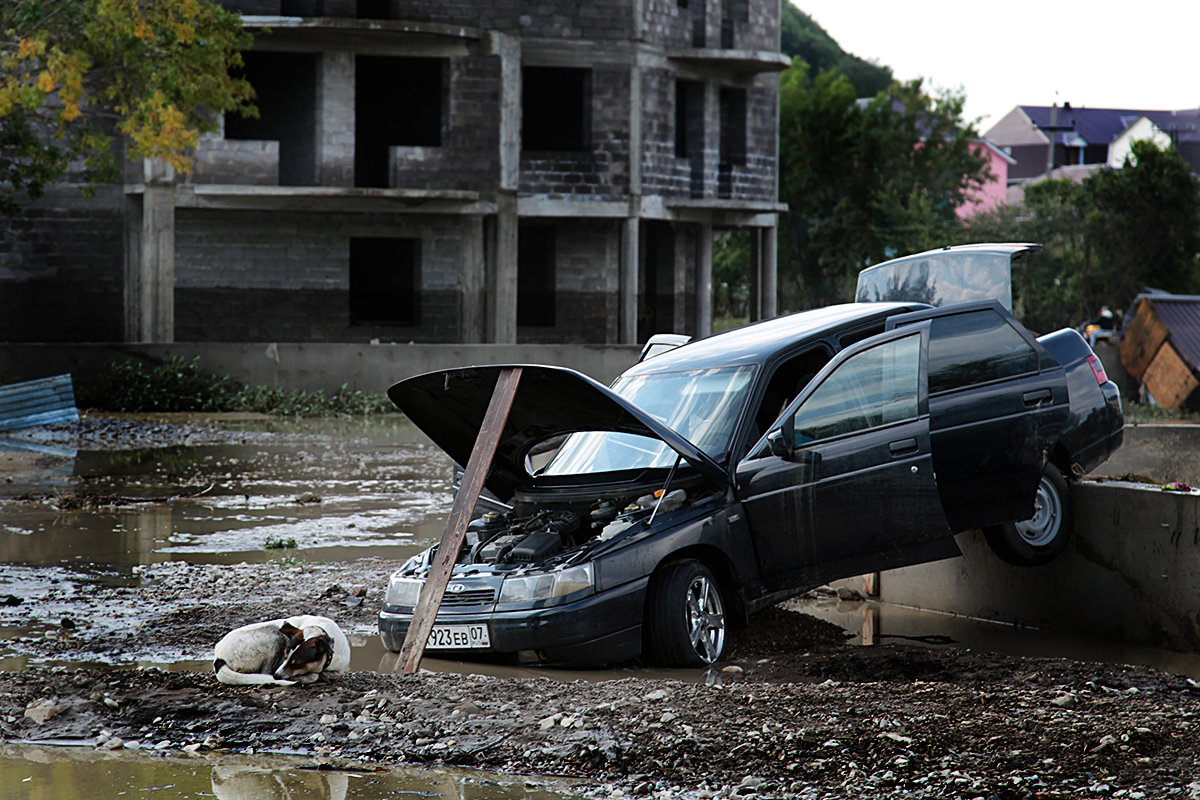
{"points": [[1181, 315], [40, 402]]}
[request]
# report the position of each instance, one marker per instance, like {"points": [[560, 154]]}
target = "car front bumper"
{"points": [[604, 628]]}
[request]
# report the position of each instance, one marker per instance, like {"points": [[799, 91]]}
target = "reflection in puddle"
{"points": [[77, 773], [883, 623]]}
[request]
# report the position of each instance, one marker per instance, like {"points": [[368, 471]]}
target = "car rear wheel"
{"points": [[1043, 536], [685, 616]]}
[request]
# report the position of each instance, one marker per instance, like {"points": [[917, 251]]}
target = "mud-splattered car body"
{"points": [[729, 473]]}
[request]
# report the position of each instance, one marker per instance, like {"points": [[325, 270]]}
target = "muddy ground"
{"points": [[793, 712]]}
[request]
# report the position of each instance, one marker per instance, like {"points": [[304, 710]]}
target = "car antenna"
{"points": [[666, 485]]}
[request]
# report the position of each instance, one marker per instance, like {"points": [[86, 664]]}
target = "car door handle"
{"points": [[903, 446], [1036, 397]]}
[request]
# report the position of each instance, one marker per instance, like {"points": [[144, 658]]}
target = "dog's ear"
{"points": [[292, 632]]}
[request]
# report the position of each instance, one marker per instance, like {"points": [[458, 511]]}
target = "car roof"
{"points": [[759, 342]]}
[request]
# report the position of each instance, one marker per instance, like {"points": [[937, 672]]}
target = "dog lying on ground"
{"points": [[282, 651]]}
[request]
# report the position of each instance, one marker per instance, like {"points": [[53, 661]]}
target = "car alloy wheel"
{"points": [[706, 619], [685, 616]]}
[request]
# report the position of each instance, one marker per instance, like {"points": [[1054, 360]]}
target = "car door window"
{"points": [[878, 386], [976, 347]]}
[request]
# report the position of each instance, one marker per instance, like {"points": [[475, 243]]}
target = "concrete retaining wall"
{"points": [[1131, 573], [310, 366]]}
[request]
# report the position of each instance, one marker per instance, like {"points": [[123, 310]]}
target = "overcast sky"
{"points": [[1126, 55]]}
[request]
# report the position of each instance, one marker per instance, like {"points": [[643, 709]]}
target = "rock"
{"points": [[45, 710], [113, 744], [656, 695], [468, 708], [844, 593], [732, 669], [1065, 700], [328, 719]]}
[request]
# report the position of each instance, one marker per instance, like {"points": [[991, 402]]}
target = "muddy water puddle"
{"points": [[869, 623], [316, 495], [72, 773]]}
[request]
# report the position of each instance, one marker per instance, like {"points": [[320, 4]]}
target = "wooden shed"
{"points": [[1161, 347]]}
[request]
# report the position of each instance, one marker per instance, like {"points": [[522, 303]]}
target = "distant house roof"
{"points": [[1103, 125], [1181, 315]]}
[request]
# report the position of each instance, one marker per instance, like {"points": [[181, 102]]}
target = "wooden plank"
{"points": [[1140, 344], [1169, 378], [478, 466], [40, 402]]}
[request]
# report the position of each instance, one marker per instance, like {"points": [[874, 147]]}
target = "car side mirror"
{"points": [[778, 444]]}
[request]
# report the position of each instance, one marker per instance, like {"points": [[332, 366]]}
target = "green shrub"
{"points": [[180, 385]]}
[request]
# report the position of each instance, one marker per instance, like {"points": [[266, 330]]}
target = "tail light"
{"points": [[1097, 369]]}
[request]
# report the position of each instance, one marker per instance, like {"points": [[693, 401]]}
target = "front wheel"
{"points": [[1043, 536], [685, 616]]}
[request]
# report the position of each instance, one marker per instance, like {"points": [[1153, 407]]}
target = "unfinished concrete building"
{"points": [[469, 171]]}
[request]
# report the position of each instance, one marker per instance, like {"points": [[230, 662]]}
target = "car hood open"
{"points": [[449, 407]]}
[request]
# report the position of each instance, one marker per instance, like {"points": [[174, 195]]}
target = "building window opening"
{"points": [[385, 281], [398, 102], [556, 109], [373, 9], [733, 138], [689, 118], [285, 84], [302, 8], [535, 276]]}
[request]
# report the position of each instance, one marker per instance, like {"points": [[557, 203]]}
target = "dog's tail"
{"points": [[227, 676]]}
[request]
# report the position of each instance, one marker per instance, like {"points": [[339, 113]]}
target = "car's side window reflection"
{"points": [[878, 386]]}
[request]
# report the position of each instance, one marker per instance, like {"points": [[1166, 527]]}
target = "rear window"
{"points": [[976, 347]]}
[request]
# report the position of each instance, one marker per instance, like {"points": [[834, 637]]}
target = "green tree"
{"points": [[1140, 227], [74, 73], [865, 181]]}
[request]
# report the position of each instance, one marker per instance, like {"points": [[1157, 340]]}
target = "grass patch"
{"points": [[280, 544], [180, 385]]}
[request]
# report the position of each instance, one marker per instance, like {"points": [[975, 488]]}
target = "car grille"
{"points": [[471, 597]]}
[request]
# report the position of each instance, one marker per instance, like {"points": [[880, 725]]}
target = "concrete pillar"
{"points": [[150, 259], [704, 272], [502, 266], [770, 272], [335, 118], [679, 280], [754, 296], [629, 279], [474, 281], [502, 277]]}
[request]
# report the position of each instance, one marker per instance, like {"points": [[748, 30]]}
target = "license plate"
{"points": [[458, 637]]}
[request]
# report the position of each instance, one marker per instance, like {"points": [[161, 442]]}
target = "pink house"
{"points": [[992, 193]]}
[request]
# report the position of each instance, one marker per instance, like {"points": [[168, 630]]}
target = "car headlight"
{"points": [[403, 591], [546, 585]]}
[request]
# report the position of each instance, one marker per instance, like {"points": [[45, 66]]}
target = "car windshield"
{"points": [[702, 405]]}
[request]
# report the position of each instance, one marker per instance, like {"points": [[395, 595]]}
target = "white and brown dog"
{"points": [[281, 651]]}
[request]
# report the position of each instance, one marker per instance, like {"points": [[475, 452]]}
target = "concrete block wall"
{"points": [[62, 267], [602, 172], [665, 23], [585, 291], [469, 156], [284, 276], [335, 118], [235, 161], [662, 171], [755, 179]]}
